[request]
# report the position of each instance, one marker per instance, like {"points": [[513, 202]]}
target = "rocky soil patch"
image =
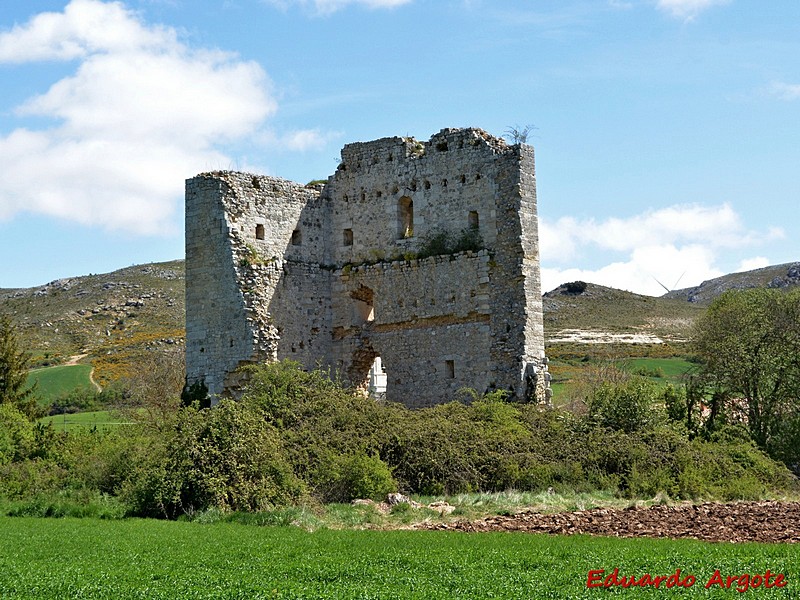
{"points": [[767, 521]]}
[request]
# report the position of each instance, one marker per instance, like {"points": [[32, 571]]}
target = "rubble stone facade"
{"points": [[329, 275]]}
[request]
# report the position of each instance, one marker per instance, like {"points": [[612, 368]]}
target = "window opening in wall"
{"points": [[377, 379], [259, 232], [363, 305], [450, 369], [297, 238], [363, 196], [427, 184], [463, 179], [473, 219], [405, 218], [347, 237], [444, 182]]}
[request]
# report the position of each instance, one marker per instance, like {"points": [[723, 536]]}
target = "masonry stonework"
{"points": [[328, 275]]}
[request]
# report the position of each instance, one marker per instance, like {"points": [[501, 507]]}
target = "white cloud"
{"points": [[141, 112], [301, 140], [785, 91], [326, 7], [85, 27], [674, 247], [750, 264], [687, 9]]}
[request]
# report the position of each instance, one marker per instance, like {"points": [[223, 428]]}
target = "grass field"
{"points": [[52, 382], [91, 558], [669, 370], [660, 370], [98, 418]]}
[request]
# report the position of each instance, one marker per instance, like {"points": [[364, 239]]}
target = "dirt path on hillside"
{"points": [[777, 522], [74, 360]]}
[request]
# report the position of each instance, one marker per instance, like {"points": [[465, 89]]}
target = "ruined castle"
{"points": [[356, 274]]}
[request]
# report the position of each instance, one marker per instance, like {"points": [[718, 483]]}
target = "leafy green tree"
{"points": [[14, 363], [749, 342]]}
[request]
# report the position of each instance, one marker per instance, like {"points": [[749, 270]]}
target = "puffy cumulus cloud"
{"points": [[85, 27], [141, 112], [674, 247], [687, 9], [326, 7]]}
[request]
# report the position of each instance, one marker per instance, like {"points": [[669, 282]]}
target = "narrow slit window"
{"points": [[347, 237], [405, 218], [259, 232], [473, 219], [297, 238], [450, 369]]}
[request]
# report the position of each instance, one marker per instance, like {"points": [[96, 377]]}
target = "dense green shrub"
{"points": [[347, 477], [296, 436], [628, 406], [16, 434], [228, 457]]}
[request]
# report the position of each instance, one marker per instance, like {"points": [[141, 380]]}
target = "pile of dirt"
{"points": [[777, 522]]}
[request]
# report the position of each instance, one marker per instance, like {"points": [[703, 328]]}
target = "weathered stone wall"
{"points": [[426, 313], [329, 277]]}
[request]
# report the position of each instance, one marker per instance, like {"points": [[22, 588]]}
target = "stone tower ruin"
{"points": [[356, 274]]}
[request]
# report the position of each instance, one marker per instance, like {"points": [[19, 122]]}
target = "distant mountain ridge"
{"points": [[783, 276], [118, 318]]}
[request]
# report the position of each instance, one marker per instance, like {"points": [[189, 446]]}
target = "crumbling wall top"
{"points": [[391, 149]]}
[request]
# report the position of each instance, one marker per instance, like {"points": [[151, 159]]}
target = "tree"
{"points": [[749, 342], [155, 389], [14, 363]]}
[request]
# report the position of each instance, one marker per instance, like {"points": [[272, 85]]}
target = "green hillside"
{"points": [[115, 318]]}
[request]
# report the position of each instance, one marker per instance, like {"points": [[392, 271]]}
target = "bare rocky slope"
{"points": [[785, 276], [115, 318]]}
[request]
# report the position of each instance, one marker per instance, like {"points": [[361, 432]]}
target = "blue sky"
{"points": [[666, 130]]}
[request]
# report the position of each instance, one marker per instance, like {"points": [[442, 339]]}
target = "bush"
{"points": [[439, 242], [575, 287], [628, 406], [228, 457], [349, 477], [296, 436]]}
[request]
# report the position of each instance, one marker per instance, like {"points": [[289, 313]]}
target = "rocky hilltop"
{"points": [[783, 276], [114, 319]]}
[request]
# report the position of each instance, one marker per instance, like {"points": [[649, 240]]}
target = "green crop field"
{"points": [[98, 418], [92, 558], [670, 370], [53, 382], [661, 370]]}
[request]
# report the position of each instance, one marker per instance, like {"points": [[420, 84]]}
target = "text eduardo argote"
{"points": [[599, 578]]}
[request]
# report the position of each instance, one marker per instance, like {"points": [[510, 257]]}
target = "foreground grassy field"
{"points": [[88, 558]]}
